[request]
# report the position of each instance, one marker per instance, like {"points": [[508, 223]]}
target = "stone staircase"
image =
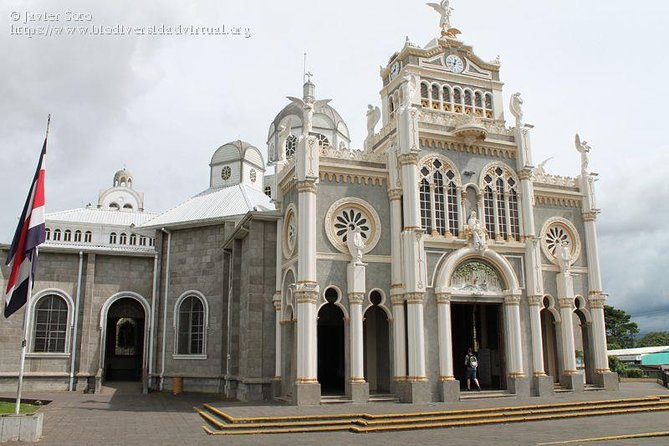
{"points": [[221, 423]]}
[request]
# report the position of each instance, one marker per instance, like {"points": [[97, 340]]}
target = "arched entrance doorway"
{"points": [[482, 291], [331, 354], [549, 339], [376, 332], [125, 327]]}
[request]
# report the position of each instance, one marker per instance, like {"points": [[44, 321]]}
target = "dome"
{"points": [[236, 150], [328, 125], [123, 178]]}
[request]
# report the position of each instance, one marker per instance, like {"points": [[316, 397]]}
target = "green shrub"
{"points": [[616, 365], [633, 372]]}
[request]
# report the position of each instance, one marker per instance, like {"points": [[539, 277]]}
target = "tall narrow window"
{"points": [[501, 208], [77, 236], [504, 207], [133, 239], [424, 95], [142, 240], [489, 210], [50, 327], [425, 205], [112, 238], [56, 235], [67, 236], [48, 233], [88, 237], [190, 336], [446, 92], [435, 96], [123, 239], [439, 201], [439, 197]]}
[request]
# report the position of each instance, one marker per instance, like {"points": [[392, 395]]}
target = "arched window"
{"points": [[488, 106], [112, 238], [142, 240], [77, 236], [133, 239], [127, 206], [478, 103], [500, 203], [88, 237], [114, 206], [123, 239], [291, 145], [191, 326], [152, 241], [323, 140], [56, 235], [439, 198], [268, 191], [424, 94], [435, 97], [50, 325], [47, 232], [67, 236], [446, 95], [457, 100]]}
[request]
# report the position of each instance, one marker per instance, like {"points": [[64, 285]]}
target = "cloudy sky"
{"points": [[160, 105]]}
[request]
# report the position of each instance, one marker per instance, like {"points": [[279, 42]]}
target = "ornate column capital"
{"points": [[356, 298], [512, 300], [276, 301], [525, 174], [535, 300], [307, 186], [590, 216], [566, 302], [395, 194], [397, 299], [597, 300], [444, 298], [408, 159], [306, 293], [414, 298]]}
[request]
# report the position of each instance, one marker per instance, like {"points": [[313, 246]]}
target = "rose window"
{"points": [[292, 233], [556, 233], [348, 214], [226, 172], [556, 236], [350, 219]]}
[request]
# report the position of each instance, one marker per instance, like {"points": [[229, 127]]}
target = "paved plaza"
{"points": [[121, 415]]}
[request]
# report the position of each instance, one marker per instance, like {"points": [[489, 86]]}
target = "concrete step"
{"points": [[383, 398], [221, 423], [485, 394], [335, 399]]}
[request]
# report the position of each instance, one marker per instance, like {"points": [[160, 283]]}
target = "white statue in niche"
{"points": [[284, 132], [356, 245], [563, 255], [478, 232], [516, 108], [373, 117], [584, 149]]}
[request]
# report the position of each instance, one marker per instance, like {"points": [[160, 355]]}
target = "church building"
{"points": [[359, 273]]}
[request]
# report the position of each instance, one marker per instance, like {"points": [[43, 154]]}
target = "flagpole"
{"points": [[26, 317], [24, 344]]}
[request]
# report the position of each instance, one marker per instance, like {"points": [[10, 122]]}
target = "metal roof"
{"points": [[95, 216], [213, 204]]}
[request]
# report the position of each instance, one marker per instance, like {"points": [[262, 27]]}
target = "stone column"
{"points": [[543, 384], [570, 377], [276, 381], [397, 288], [517, 381], [603, 375], [358, 388], [450, 387], [307, 390], [399, 344], [416, 337]]}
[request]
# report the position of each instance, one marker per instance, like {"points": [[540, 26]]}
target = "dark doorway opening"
{"points": [[584, 348], [331, 364], [124, 348], [480, 327], [549, 337], [376, 347]]}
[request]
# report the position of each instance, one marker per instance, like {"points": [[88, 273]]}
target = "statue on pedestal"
{"points": [[284, 132], [584, 149], [308, 106], [356, 245], [477, 231], [444, 9], [516, 107], [563, 255]]}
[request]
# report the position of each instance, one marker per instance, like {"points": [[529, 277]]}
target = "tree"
{"points": [[654, 339], [620, 329]]}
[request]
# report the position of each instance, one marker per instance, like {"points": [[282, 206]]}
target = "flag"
{"points": [[31, 232]]}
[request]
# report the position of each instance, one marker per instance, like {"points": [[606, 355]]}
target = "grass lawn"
{"points": [[6, 407]]}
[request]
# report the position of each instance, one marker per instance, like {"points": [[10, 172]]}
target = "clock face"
{"points": [[455, 64], [394, 70]]}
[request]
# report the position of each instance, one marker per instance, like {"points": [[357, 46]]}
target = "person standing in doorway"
{"points": [[472, 363]]}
